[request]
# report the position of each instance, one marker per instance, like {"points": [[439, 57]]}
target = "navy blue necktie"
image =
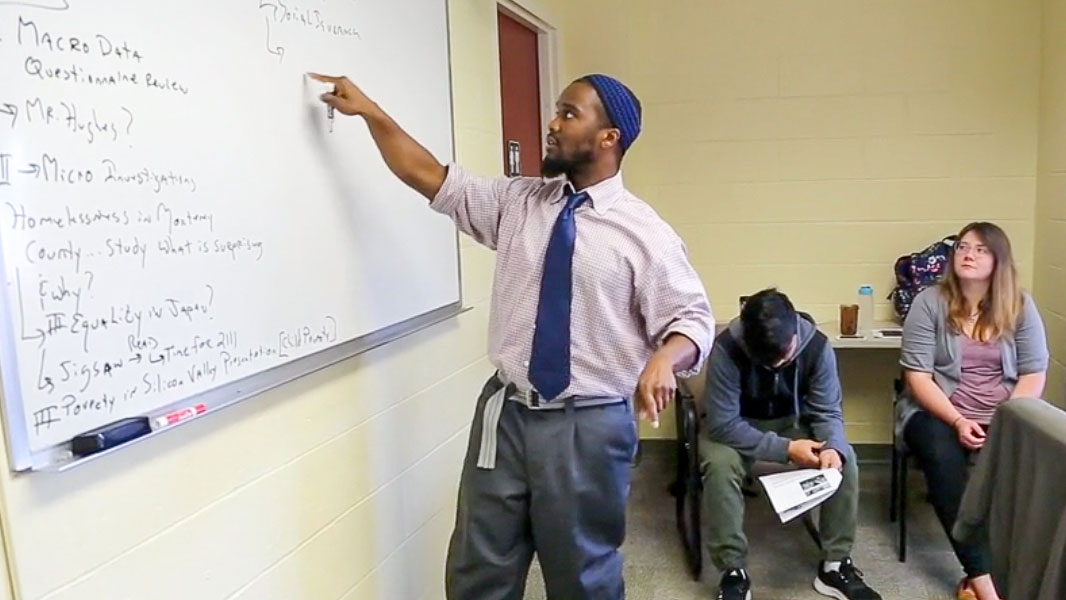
{"points": [[549, 364]]}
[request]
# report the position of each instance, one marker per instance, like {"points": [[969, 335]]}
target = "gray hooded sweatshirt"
{"points": [[820, 409]]}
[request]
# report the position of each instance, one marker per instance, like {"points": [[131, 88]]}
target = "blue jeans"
{"points": [[944, 461]]}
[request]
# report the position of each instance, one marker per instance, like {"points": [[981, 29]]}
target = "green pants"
{"points": [[724, 471]]}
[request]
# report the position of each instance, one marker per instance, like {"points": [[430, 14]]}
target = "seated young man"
{"points": [[773, 394]]}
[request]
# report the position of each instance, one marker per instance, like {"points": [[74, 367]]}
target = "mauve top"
{"points": [[981, 389]]}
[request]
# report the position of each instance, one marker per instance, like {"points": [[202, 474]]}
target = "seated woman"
{"points": [[969, 343]]}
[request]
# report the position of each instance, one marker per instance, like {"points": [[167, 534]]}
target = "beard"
{"points": [[553, 166]]}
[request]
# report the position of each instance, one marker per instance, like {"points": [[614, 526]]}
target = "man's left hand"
{"points": [[830, 459], [656, 387]]}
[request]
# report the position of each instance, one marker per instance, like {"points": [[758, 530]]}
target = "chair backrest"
{"points": [[898, 388], [694, 387], [1014, 500]]}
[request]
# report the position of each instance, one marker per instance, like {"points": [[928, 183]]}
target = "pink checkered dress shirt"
{"points": [[632, 282]]}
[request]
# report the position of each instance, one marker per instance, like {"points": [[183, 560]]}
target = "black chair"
{"points": [[688, 485], [901, 457]]}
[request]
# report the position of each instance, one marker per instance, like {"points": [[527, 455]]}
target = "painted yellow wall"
{"points": [[803, 144], [1051, 198], [806, 145], [338, 486]]}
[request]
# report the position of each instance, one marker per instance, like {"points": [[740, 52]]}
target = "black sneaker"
{"points": [[735, 585], [845, 584]]}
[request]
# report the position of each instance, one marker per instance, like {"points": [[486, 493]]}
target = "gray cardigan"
{"points": [[929, 346]]}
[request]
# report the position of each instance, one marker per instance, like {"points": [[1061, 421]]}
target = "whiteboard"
{"points": [[183, 221]]}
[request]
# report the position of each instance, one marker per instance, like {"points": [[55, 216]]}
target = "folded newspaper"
{"points": [[793, 493]]}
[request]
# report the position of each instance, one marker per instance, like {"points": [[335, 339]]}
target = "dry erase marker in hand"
{"points": [[182, 414], [654, 422], [315, 90]]}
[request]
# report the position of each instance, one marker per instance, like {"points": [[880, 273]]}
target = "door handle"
{"points": [[514, 158]]}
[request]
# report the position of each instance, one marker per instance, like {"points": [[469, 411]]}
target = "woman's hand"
{"points": [[971, 435]]}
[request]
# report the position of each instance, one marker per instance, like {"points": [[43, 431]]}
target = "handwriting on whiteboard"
{"points": [[282, 14], [85, 216]]}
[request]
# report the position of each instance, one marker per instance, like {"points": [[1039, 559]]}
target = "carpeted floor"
{"points": [[782, 559]]}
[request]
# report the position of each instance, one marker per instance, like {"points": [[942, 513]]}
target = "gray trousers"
{"points": [[559, 489]]}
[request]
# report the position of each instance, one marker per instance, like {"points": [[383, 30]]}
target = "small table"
{"points": [[832, 330]]}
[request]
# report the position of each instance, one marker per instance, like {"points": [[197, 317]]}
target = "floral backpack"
{"points": [[917, 271]]}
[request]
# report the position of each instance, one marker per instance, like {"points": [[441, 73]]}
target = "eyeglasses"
{"points": [[979, 250]]}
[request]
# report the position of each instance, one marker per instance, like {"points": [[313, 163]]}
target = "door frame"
{"points": [[531, 15]]}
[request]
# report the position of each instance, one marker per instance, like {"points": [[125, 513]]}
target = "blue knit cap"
{"points": [[621, 105]]}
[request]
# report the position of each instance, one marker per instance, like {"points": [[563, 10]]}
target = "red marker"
{"points": [[178, 416]]}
